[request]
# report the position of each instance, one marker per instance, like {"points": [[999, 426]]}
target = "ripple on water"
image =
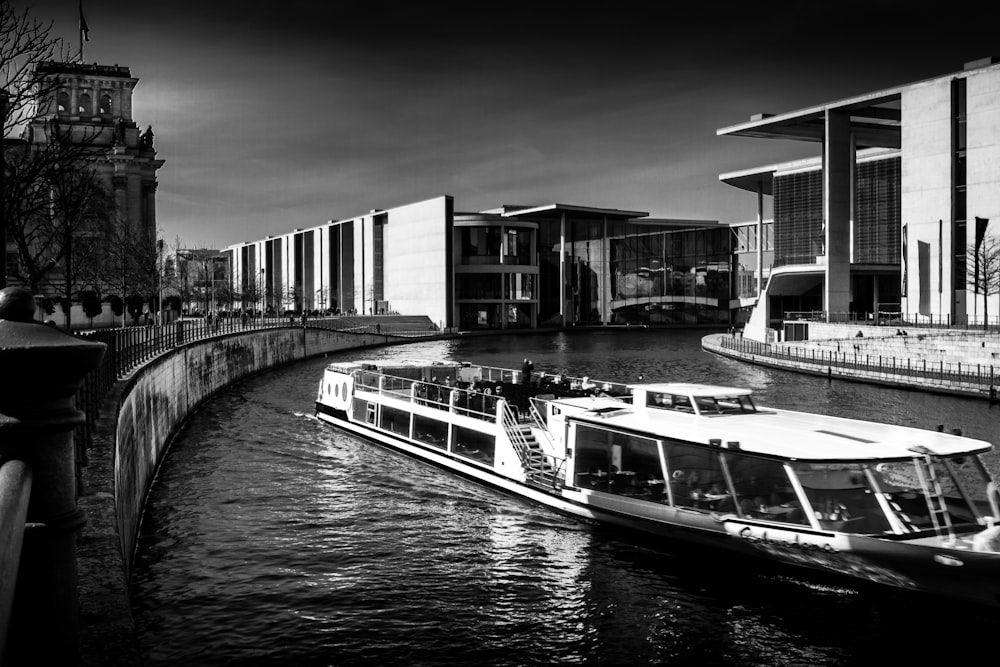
{"points": [[271, 539]]}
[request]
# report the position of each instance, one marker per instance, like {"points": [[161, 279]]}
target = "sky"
{"points": [[280, 115]]}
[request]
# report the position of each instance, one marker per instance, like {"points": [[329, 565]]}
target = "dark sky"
{"points": [[277, 115]]}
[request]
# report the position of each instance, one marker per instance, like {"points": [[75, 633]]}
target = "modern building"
{"points": [[881, 223], [508, 267]]}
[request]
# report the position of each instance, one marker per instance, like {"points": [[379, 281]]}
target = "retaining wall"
{"points": [[132, 435], [965, 347]]}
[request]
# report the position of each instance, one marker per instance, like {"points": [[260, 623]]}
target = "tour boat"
{"points": [[901, 506]]}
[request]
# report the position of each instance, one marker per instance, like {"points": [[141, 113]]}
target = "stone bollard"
{"points": [[43, 369]]}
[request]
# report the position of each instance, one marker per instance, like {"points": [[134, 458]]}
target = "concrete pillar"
{"points": [[760, 239], [43, 370], [562, 268], [838, 160]]}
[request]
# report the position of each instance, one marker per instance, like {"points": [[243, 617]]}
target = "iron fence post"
{"points": [[43, 370]]}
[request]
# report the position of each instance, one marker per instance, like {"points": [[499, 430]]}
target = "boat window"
{"points": [[726, 405], [395, 420], [763, 490], [841, 498], [908, 498], [430, 431], [696, 478], [615, 462], [971, 478], [665, 401], [474, 445]]}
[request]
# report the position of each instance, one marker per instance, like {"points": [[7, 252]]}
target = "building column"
{"points": [[838, 159], [605, 276], [760, 239], [562, 268]]}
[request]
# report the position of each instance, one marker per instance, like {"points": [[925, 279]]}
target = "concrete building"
{"points": [[508, 267], [881, 222]]}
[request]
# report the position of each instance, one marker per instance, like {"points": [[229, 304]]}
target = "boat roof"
{"points": [[785, 434]]}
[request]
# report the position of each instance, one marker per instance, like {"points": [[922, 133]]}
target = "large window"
{"points": [[519, 286], [480, 245], [84, 105], [696, 478], [479, 285], [396, 421], [667, 276], [617, 463], [474, 445], [762, 489], [430, 431], [842, 497], [517, 246]]}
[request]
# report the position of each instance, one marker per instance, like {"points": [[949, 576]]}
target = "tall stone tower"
{"points": [[92, 104]]}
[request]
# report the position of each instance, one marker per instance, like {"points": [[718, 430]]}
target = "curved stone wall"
{"points": [[137, 423]]}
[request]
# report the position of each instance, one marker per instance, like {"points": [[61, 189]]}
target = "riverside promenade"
{"points": [[960, 362]]}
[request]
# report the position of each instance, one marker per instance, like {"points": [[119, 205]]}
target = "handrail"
{"points": [[513, 430], [15, 490], [993, 494], [539, 422], [549, 466]]}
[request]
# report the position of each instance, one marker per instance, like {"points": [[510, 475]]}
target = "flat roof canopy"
{"points": [[875, 122], [549, 211]]}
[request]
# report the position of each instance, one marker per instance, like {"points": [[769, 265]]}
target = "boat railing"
{"points": [[462, 401], [539, 466], [538, 421], [543, 379]]}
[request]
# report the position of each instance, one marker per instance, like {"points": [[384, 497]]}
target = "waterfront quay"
{"points": [[960, 362]]}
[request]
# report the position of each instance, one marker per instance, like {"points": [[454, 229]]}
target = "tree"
{"points": [[983, 265], [25, 41], [53, 198], [91, 302]]}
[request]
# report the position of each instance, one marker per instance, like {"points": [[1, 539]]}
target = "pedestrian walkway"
{"points": [[955, 362]]}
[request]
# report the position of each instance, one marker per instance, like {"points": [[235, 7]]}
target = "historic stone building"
{"points": [[92, 104]]}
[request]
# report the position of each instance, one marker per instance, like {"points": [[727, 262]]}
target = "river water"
{"points": [[272, 539]]}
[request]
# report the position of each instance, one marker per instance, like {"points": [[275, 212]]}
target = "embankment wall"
{"points": [[132, 436]]}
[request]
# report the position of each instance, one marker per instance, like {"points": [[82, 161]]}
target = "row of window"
{"points": [[850, 496], [463, 441], [84, 105], [507, 286]]}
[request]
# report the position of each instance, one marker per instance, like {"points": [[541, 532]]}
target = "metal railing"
{"points": [[15, 490], [980, 378], [896, 318]]}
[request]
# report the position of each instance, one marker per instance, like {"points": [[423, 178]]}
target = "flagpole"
{"points": [[82, 23]]}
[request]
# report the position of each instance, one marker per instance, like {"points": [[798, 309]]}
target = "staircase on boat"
{"points": [[540, 469]]}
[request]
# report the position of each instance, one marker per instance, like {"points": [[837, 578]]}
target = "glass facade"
{"points": [[496, 276], [745, 246], [669, 277], [798, 218], [877, 212]]}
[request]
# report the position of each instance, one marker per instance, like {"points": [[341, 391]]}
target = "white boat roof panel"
{"points": [[782, 433]]}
